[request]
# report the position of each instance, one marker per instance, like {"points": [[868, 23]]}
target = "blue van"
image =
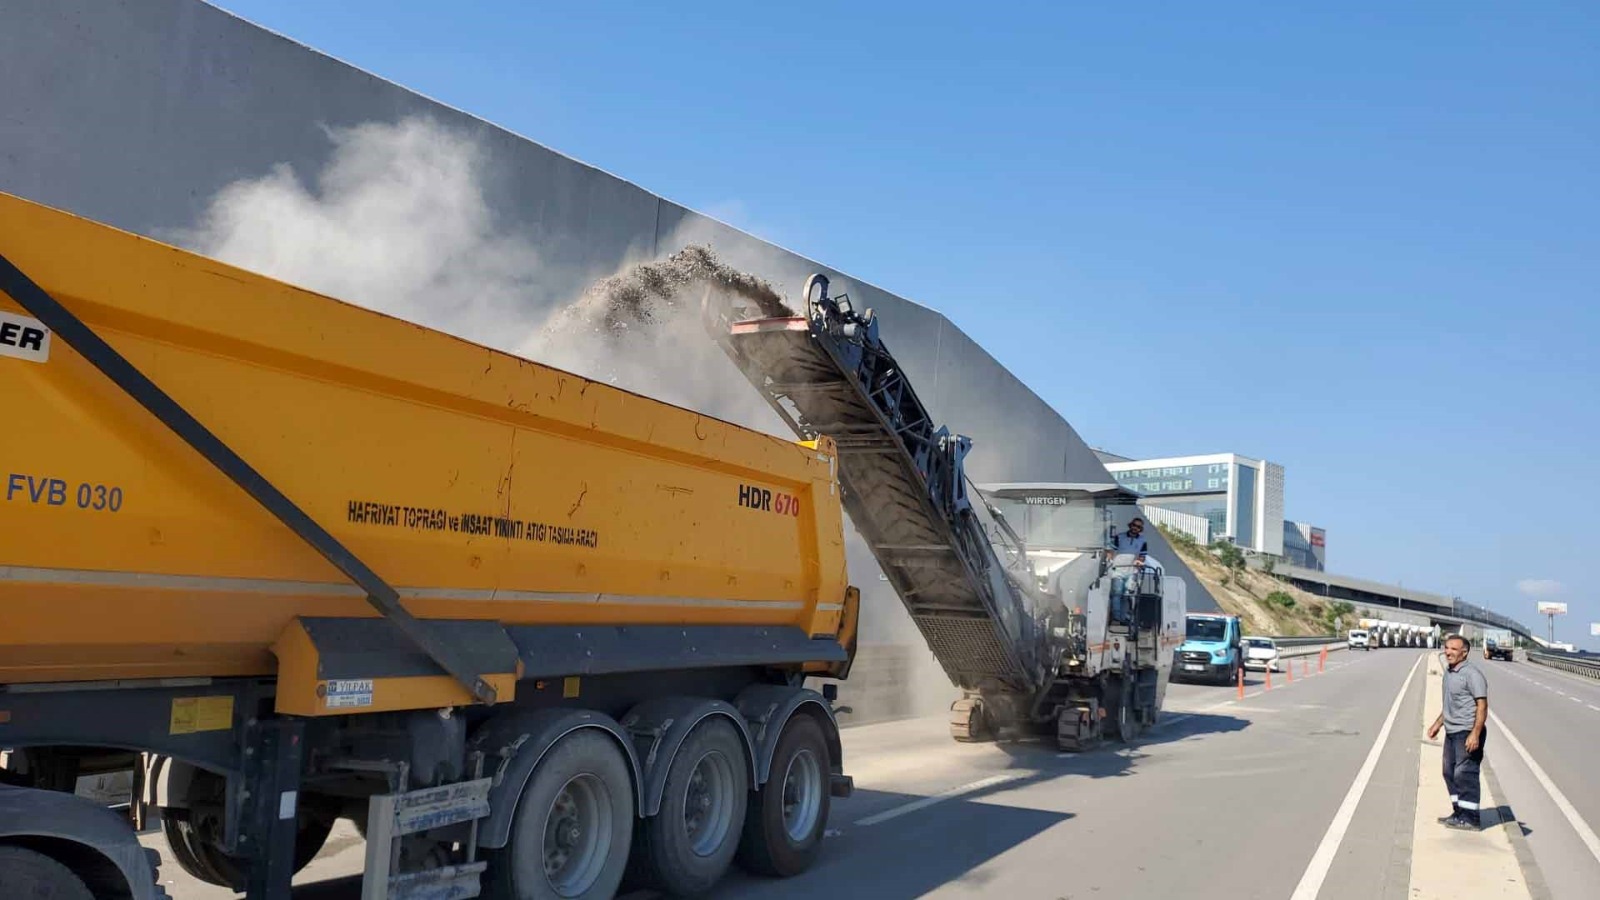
{"points": [[1211, 649]]}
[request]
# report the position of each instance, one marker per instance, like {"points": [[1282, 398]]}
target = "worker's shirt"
{"points": [[1127, 543], [1464, 685]]}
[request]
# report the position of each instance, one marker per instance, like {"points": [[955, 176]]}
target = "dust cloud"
{"points": [[399, 221]]}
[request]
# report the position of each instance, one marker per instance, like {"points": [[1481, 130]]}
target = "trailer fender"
{"points": [[513, 742], [768, 708], [87, 838], [659, 727]]}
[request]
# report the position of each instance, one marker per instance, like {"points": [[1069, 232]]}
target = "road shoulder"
{"points": [[1444, 862]]}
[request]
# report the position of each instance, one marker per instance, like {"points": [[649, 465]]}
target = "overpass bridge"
{"points": [[1448, 612]]}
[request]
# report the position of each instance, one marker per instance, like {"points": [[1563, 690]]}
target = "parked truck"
{"points": [[1011, 585], [290, 560]]}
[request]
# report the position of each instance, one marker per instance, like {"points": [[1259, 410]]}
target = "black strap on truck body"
{"points": [[80, 337]]}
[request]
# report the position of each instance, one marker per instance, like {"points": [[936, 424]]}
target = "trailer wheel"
{"points": [[29, 874], [196, 842], [687, 846], [784, 825], [570, 835]]}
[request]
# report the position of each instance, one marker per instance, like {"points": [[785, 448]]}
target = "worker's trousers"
{"points": [[1461, 770]]}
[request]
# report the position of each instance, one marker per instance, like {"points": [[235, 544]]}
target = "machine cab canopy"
{"points": [[1063, 517]]}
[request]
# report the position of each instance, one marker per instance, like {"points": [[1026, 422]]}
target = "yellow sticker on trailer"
{"points": [[191, 715]]}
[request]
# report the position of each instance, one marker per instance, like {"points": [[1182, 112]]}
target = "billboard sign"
{"points": [[1550, 608], [1594, 629], [1319, 538]]}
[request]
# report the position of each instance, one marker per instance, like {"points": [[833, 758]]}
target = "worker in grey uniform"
{"points": [[1466, 712]]}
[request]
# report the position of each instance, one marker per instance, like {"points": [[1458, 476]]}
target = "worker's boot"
{"points": [[1455, 813], [1464, 821]]}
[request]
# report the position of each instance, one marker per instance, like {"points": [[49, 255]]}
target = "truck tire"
{"points": [[687, 846], [197, 850], [574, 819], [29, 875], [784, 823]]}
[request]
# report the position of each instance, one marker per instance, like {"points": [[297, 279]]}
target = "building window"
{"points": [[1244, 507]]}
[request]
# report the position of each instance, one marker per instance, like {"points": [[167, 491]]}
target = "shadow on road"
{"points": [[910, 856], [943, 843], [1503, 815]]}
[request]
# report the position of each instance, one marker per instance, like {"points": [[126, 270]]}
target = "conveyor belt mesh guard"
{"points": [[828, 373]]}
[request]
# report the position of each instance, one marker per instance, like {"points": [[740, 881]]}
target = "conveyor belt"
{"points": [[828, 373]]}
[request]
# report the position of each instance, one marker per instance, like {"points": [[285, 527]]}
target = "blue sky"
{"points": [[1361, 241]]}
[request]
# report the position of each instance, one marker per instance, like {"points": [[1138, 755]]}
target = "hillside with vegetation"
{"points": [[1267, 604]]}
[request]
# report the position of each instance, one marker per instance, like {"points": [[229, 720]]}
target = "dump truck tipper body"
{"points": [[300, 555]]}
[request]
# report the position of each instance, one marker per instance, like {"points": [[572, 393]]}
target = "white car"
{"points": [[1360, 639], [1261, 653]]}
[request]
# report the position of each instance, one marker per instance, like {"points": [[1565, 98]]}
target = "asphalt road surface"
{"points": [[1226, 799]]}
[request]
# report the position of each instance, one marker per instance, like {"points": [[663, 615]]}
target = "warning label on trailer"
{"points": [[418, 518], [192, 715]]}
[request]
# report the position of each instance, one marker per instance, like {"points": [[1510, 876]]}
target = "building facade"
{"points": [[1241, 498], [1305, 546]]}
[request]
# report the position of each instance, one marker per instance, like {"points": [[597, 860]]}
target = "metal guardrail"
{"points": [[1587, 666], [1317, 639], [1311, 649]]}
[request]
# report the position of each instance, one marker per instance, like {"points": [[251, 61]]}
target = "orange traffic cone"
{"points": [[1241, 682], [1269, 678], [1288, 672]]}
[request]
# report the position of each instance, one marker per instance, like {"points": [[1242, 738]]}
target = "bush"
{"points": [[1229, 554], [1341, 612], [1182, 540], [1281, 599], [1268, 564]]}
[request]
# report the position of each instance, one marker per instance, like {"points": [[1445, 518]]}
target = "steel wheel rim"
{"points": [[577, 835], [802, 795], [708, 803]]}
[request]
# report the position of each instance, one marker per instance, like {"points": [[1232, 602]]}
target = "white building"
{"points": [[1241, 498]]}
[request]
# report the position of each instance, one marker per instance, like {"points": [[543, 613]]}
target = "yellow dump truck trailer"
{"points": [[295, 560]]}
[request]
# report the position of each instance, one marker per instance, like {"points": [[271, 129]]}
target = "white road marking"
{"points": [[1585, 833], [1595, 708], [1317, 870], [1574, 699], [940, 797]]}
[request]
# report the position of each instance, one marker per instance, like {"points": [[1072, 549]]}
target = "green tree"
{"points": [[1282, 599], [1229, 554]]}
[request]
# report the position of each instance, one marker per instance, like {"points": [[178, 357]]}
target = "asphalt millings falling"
{"points": [[656, 291]]}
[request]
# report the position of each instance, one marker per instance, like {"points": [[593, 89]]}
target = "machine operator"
{"points": [[1132, 542]]}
